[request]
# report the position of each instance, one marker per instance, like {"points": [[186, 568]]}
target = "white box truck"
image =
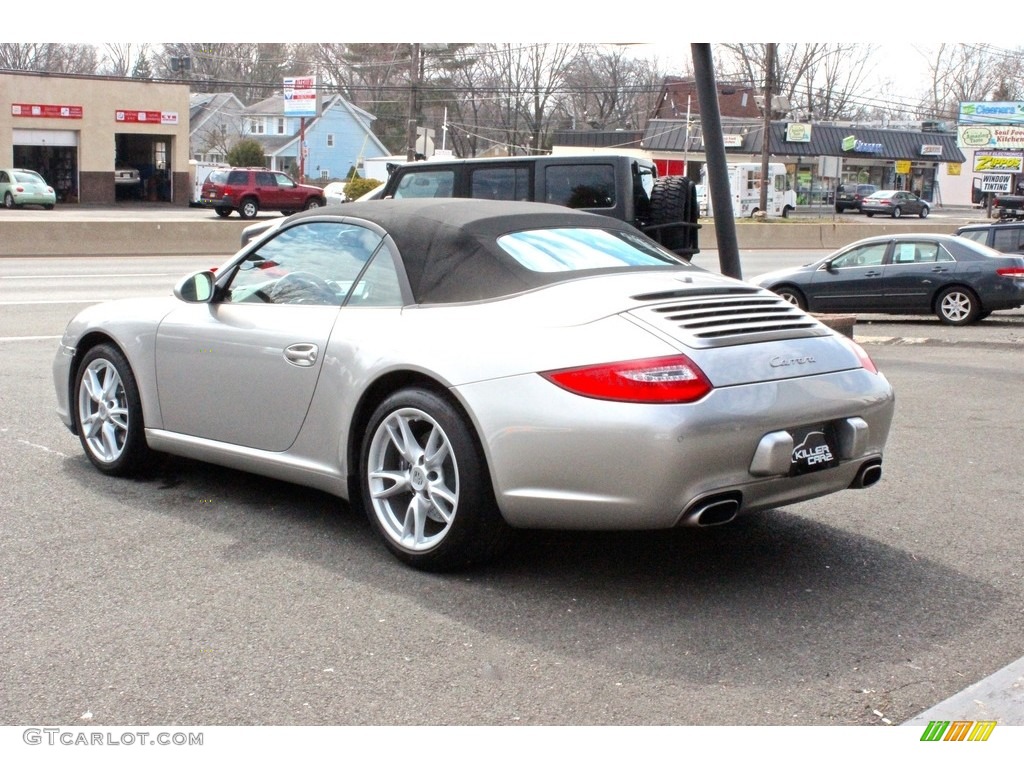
{"points": [[745, 190]]}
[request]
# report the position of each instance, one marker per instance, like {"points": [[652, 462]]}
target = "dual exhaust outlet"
{"points": [[722, 508]]}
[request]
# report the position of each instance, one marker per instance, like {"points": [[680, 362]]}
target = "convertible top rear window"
{"points": [[575, 249]]}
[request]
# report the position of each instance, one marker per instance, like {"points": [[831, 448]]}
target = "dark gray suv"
{"points": [[852, 195]]}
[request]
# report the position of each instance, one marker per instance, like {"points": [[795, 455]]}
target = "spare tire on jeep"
{"points": [[673, 215]]}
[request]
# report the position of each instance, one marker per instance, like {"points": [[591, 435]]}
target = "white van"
{"points": [[745, 189]]}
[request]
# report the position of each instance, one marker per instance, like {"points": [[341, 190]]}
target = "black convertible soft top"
{"points": [[449, 245]]}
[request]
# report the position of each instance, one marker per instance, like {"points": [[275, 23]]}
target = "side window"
{"points": [[238, 178], [1007, 240], [265, 179], [311, 263], [979, 236], [580, 186], [379, 285], [500, 184], [915, 253], [426, 184], [282, 180], [863, 256]]}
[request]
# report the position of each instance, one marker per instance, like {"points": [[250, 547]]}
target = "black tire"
{"points": [[897, 212], [435, 516], [839, 209], [108, 413], [957, 306], [249, 208], [313, 202], [924, 212], [786, 210], [869, 214], [49, 206], [8, 200], [223, 212], [674, 201], [793, 295]]}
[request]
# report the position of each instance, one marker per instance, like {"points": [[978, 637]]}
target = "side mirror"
{"points": [[196, 288]]}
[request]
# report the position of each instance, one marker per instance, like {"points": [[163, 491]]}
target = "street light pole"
{"points": [[414, 83]]}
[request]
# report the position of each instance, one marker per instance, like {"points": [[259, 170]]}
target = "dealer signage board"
{"points": [[155, 117], [986, 161], [62, 111], [300, 97]]}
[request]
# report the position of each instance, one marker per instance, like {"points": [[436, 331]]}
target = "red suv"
{"points": [[250, 190]]}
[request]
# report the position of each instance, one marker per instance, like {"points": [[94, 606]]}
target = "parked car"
{"points": [[334, 193], [895, 203], [1005, 237], [851, 196], [956, 279], [251, 190], [20, 186], [457, 368]]}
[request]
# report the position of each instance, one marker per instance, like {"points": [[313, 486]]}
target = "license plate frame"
{"points": [[814, 449]]}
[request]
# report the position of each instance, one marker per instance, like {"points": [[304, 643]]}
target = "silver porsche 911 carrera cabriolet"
{"points": [[459, 368]]}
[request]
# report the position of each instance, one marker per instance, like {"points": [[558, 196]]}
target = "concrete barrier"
{"points": [[221, 237], [121, 238]]}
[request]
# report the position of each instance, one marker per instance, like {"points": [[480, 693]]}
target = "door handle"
{"points": [[303, 354]]}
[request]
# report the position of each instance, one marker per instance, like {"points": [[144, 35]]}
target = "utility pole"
{"points": [[769, 89], [714, 148], [414, 84]]}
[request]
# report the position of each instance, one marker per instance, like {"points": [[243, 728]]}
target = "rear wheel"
{"points": [[425, 486], [108, 412], [249, 208], [957, 306], [897, 212], [223, 212], [8, 200], [869, 214]]}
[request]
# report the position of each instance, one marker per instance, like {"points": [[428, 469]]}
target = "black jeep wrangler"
{"points": [[620, 186]]}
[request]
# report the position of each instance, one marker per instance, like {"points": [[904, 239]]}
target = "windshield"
{"points": [[574, 249], [28, 177]]}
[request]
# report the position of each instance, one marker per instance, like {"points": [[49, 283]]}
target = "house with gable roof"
{"points": [[340, 138], [215, 123]]}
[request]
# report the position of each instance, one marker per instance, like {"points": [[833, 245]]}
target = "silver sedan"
{"points": [[460, 368]]}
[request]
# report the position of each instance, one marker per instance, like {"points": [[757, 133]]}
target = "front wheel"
{"points": [[425, 486], [957, 306], [792, 295], [313, 202], [924, 212], [108, 412]]}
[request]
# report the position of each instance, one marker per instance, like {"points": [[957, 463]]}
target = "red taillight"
{"points": [[1011, 272], [865, 360], [654, 380]]}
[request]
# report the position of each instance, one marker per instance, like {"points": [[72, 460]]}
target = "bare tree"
{"points": [[971, 72], [63, 58]]}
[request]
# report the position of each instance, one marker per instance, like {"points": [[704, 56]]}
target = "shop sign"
{"points": [[798, 132], [47, 110], [156, 117], [300, 97], [732, 140], [991, 136], [953, 169], [998, 162], [996, 182], [988, 112], [853, 144], [902, 166], [932, 150]]}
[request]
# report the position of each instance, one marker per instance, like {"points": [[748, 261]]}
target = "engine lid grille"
{"points": [[726, 316]]}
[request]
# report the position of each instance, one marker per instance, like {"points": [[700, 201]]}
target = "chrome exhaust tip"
{"points": [[712, 510], [869, 473]]}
